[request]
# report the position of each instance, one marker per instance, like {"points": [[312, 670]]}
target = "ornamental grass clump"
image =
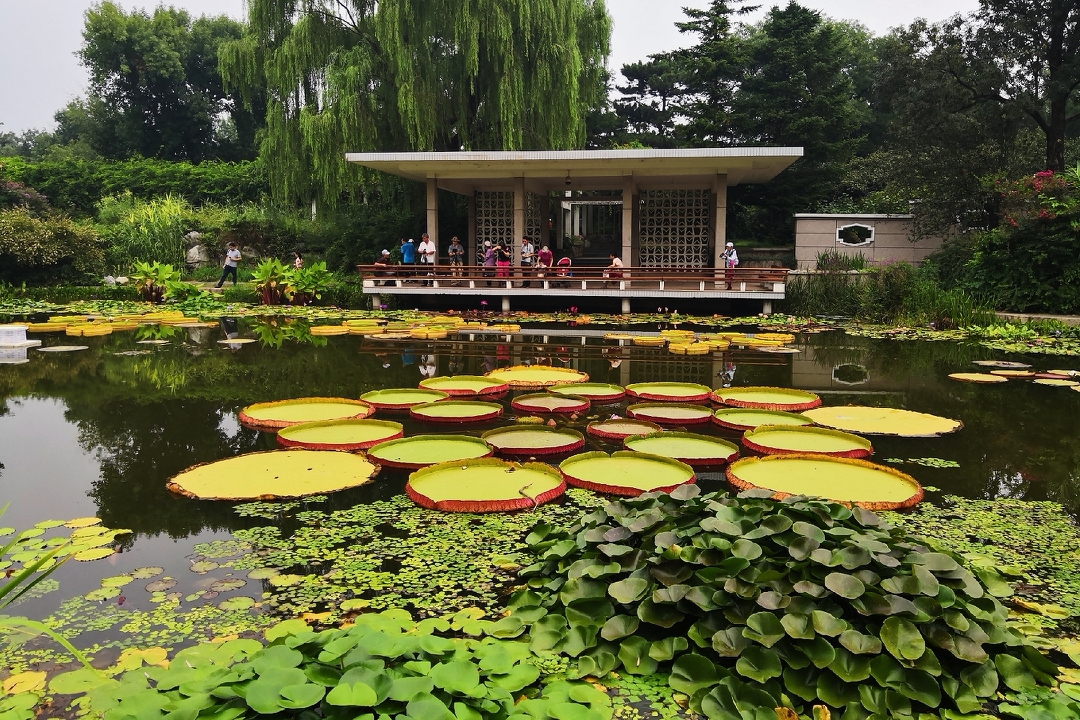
{"points": [[751, 602]]}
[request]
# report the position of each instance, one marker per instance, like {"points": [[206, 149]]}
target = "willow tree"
{"points": [[426, 75]]}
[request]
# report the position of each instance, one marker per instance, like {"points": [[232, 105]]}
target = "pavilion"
{"points": [[660, 209]]}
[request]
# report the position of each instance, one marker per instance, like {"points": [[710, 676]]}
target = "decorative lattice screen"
{"points": [[674, 228], [494, 217], [533, 226], [699, 372]]}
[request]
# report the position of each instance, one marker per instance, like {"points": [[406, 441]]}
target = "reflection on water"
{"points": [[99, 432]]}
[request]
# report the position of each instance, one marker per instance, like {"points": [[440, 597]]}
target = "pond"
{"points": [[98, 432]]}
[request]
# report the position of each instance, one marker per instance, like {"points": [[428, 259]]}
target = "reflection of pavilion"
{"points": [[656, 210], [13, 344]]}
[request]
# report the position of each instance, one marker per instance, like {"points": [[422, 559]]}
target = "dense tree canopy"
{"points": [[416, 75]]}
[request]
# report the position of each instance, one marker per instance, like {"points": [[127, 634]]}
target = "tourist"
{"points": [[427, 254], [456, 254], [544, 259], [731, 261], [502, 261], [528, 254], [380, 265], [614, 270], [562, 269], [232, 258], [298, 262], [490, 259]]}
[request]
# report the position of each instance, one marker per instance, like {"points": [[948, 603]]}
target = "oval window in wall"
{"points": [[855, 234]]}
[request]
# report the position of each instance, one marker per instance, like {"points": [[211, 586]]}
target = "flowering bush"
{"points": [[1044, 196], [15, 194]]}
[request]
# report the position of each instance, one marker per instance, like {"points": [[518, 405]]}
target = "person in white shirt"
{"points": [[614, 270], [731, 261], [232, 258], [528, 254], [427, 253]]}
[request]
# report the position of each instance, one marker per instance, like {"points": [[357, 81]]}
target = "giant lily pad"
{"points": [[617, 428], [1004, 364], [1056, 382], [487, 485], [700, 452], [274, 474], [852, 482], [982, 378], [347, 435], [549, 403], [767, 398], [401, 399], [625, 472], [283, 413], [420, 451], [748, 418], [883, 421], [665, 413], [456, 411], [465, 385], [595, 392], [794, 439], [534, 377], [669, 391], [530, 440]]}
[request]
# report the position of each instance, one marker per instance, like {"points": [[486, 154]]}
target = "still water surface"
{"points": [[100, 431]]}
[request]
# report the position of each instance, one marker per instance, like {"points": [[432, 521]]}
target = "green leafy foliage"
{"points": [[782, 603], [49, 248], [308, 283], [270, 277], [152, 280], [385, 665]]}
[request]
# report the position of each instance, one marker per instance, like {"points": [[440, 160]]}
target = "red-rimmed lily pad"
{"points": [[801, 440], [595, 392], [743, 419], [767, 398], [625, 472], [620, 428], [465, 385], [456, 411], [700, 452], [1056, 382], [274, 474], [545, 403], [283, 413], [844, 480], [536, 377], [1003, 364], [487, 485], [665, 413], [533, 440], [399, 400], [669, 391], [412, 453], [345, 435], [979, 378], [883, 421]]}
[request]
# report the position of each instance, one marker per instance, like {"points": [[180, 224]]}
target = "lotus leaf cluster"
{"points": [[750, 602]]}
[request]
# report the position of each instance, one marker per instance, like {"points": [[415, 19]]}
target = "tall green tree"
{"points": [[354, 75], [649, 105], [155, 89]]}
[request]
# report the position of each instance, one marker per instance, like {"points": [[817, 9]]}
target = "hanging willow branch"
{"points": [[360, 75]]}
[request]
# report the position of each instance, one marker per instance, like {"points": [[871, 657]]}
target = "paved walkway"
{"points": [[1028, 317]]}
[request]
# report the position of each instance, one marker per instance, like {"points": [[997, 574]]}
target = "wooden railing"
{"points": [[573, 278]]}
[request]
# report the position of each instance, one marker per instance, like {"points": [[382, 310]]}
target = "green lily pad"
{"points": [[227, 584], [625, 472], [484, 485], [401, 399], [883, 421], [282, 413], [790, 439], [240, 602], [669, 391], [767, 398], [203, 566], [594, 392], [535, 377], [274, 474], [669, 413], [345, 435], [421, 450], [697, 451], [743, 419], [530, 440], [550, 403], [465, 385], [620, 428], [456, 411]]}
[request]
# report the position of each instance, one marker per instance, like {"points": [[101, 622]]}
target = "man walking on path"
{"points": [[731, 261], [232, 258]]}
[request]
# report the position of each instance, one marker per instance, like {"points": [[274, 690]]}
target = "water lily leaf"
{"points": [[846, 586], [145, 573], [27, 681], [520, 676], [827, 623], [165, 583], [117, 581], [428, 707], [48, 524], [105, 593], [301, 695], [82, 522], [859, 643], [227, 584], [285, 580], [628, 591], [764, 628], [457, 676], [746, 549], [356, 694], [982, 679], [262, 573], [619, 626], [758, 663], [667, 648], [902, 639], [850, 667], [634, 653], [78, 682], [93, 554], [692, 672], [203, 566], [237, 603]]}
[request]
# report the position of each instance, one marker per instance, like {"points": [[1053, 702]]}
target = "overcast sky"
{"points": [[39, 72]]}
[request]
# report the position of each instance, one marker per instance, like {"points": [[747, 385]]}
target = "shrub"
{"points": [[148, 231], [153, 280], [834, 261], [757, 602], [270, 277], [308, 284], [46, 249]]}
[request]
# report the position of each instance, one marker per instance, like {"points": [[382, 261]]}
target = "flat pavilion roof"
{"points": [[544, 170]]}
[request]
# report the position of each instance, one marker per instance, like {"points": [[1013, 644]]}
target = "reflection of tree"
{"points": [[274, 332]]}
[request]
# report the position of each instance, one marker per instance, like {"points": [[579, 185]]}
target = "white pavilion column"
{"points": [[720, 229], [627, 220], [433, 215], [519, 220]]}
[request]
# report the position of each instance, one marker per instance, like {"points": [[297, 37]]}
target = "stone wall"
{"points": [[890, 240]]}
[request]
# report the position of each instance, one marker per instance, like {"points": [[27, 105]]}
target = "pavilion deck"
{"points": [[581, 283]]}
